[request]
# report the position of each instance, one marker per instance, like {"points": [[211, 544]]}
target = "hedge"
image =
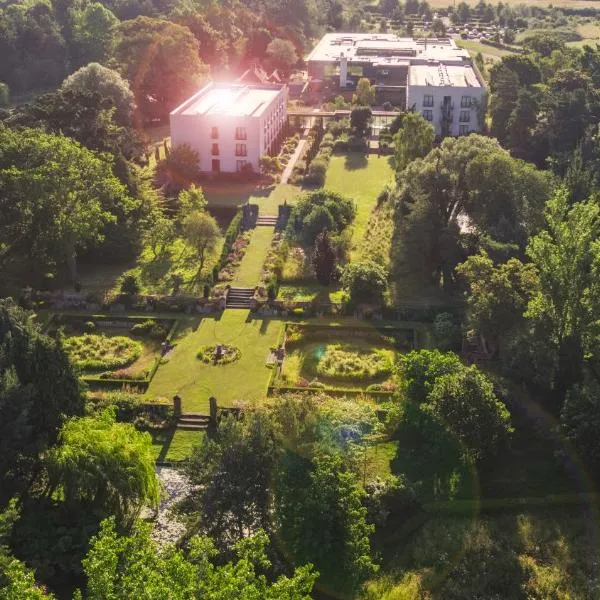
{"points": [[231, 234]]}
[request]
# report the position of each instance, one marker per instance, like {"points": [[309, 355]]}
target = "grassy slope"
{"points": [[361, 178], [248, 274], [488, 52], [245, 380]]}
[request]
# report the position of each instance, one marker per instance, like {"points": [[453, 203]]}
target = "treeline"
{"points": [[174, 43]]}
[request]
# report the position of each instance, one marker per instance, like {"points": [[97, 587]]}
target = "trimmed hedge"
{"points": [[230, 354]]}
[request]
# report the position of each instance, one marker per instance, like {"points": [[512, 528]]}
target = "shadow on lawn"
{"points": [[163, 437]]}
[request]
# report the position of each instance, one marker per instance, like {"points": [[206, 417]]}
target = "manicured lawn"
{"points": [[244, 380], [235, 194], [359, 177], [487, 51], [175, 445], [248, 273]]}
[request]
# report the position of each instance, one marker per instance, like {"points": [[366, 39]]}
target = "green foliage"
{"points": [[231, 234], [38, 392], [56, 198], [150, 328], [230, 476], [420, 369], [4, 95], [321, 210], [446, 331], [102, 464], [130, 283], [316, 172], [190, 200], [360, 120], [282, 53], [162, 58], [414, 139], [94, 78], [122, 567], [322, 519], [229, 354], [182, 166], [365, 94], [365, 281], [202, 233], [91, 352], [324, 259], [342, 362], [465, 404]]}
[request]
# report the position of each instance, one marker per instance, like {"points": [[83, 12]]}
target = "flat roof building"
{"points": [[432, 76], [231, 126]]}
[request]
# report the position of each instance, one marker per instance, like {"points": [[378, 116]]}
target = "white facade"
{"points": [[230, 126], [431, 76]]}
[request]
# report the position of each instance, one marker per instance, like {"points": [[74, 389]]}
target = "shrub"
{"points": [[365, 281], [89, 326], [446, 331], [233, 230], [230, 354], [151, 328], [300, 167], [130, 283], [341, 144], [92, 352], [327, 141], [316, 172]]}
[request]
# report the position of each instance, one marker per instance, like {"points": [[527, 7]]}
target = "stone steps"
{"points": [[238, 297], [266, 220], [193, 422]]}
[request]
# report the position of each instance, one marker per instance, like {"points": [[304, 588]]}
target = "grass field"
{"points": [[227, 194], [489, 53], [361, 178], [244, 380], [174, 444], [248, 273]]}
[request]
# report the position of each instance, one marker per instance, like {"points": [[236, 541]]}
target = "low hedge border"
{"points": [[332, 391], [98, 383]]}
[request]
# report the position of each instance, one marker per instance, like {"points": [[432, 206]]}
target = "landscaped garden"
{"points": [[341, 357], [113, 351]]}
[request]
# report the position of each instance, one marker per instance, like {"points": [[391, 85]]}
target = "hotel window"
{"points": [[240, 150], [215, 150], [240, 164], [463, 129], [428, 115], [240, 133], [465, 116], [214, 133], [465, 102], [427, 100]]}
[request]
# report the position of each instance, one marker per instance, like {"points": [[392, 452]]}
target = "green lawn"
{"points": [[487, 51], [359, 177], [234, 194], [174, 445], [245, 380], [248, 273]]}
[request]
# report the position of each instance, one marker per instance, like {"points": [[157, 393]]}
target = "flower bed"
{"points": [[115, 352], [207, 354], [92, 352], [354, 363]]}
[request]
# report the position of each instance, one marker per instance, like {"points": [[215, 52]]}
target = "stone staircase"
{"points": [[193, 422], [266, 220], [239, 297]]}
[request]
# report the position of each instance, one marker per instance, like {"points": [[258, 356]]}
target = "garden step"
{"points": [[192, 427], [267, 220], [192, 415]]}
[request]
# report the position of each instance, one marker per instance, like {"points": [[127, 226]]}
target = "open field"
{"points": [[244, 380], [488, 52], [361, 178]]}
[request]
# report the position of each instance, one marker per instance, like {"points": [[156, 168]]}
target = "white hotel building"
{"points": [[432, 76], [230, 125]]}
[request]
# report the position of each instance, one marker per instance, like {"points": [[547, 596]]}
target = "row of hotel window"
{"points": [[464, 117], [240, 133], [465, 101], [240, 150]]}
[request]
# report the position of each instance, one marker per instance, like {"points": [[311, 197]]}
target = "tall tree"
{"points": [[365, 93], [160, 60], [566, 254], [282, 54], [202, 233], [323, 259], [56, 197], [231, 476], [322, 519], [104, 465], [38, 392], [413, 140]]}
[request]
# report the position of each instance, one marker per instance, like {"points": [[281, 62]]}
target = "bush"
{"points": [[365, 281], [89, 326], [233, 230], [446, 331], [341, 144], [327, 141], [300, 167], [130, 283], [92, 352], [230, 354], [151, 328], [316, 172]]}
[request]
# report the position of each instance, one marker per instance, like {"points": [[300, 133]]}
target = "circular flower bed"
{"points": [[229, 354], [91, 352], [354, 363]]}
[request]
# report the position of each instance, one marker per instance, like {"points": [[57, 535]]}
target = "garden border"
{"points": [[140, 385], [273, 388]]}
